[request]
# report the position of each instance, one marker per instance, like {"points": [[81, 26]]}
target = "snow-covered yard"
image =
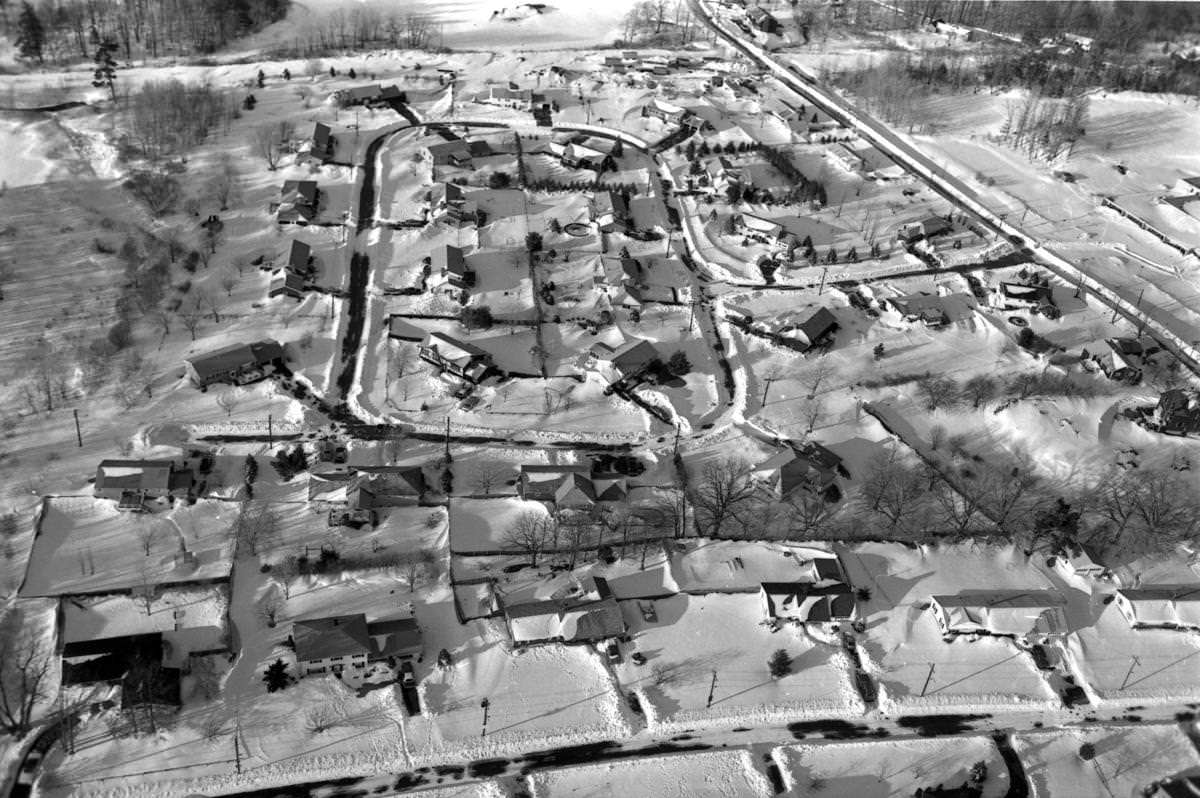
{"points": [[1126, 759], [729, 774], [682, 654], [885, 768]]}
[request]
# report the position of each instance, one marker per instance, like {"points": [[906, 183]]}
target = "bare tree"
{"points": [[724, 489], [892, 489], [980, 389], [807, 513], [815, 376], [265, 144], [256, 527], [415, 566], [811, 411], [229, 400], [191, 317], [228, 281], [270, 606], [223, 185], [530, 534], [149, 530], [1147, 511], [25, 679], [937, 392], [488, 475]]}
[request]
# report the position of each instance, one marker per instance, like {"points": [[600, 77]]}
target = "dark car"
{"points": [[407, 677], [1074, 696], [613, 652], [1041, 658]]}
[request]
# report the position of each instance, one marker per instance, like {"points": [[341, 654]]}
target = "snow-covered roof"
{"points": [[1162, 605], [1020, 612]]}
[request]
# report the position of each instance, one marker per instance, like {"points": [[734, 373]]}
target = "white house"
{"points": [[1160, 606], [1006, 613]]}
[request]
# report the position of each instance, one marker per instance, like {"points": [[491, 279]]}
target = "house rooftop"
{"points": [[335, 636], [235, 356]]}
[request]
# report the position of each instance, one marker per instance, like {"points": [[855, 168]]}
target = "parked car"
{"points": [[407, 677], [649, 614], [1041, 658], [613, 652]]}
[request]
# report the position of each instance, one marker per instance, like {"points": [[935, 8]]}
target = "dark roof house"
{"points": [[237, 362]]}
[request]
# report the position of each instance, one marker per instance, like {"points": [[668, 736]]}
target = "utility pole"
{"points": [[766, 388], [1133, 664], [447, 437], [485, 704], [821, 287], [270, 432], [676, 451], [928, 677], [711, 689], [78, 434]]}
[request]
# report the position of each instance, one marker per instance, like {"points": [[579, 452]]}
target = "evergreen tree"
{"points": [[352, 73], [780, 664], [105, 74], [287, 74], [262, 78], [30, 35], [277, 677]]}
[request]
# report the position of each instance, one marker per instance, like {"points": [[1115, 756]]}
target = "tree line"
{"points": [[64, 30]]}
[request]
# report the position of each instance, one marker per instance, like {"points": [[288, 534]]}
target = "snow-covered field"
{"points": [[1126, 759], [730, 774], [884, 768], [682, 655]]}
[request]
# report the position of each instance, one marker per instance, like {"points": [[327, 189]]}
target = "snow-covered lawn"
{"points": [[729, 774], [1127, 758], [888, 768], [903, 646], [1127, 666], [86, 545], [682, 652]]}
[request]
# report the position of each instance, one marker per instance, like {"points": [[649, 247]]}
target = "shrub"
{"points": [[780, 664]]}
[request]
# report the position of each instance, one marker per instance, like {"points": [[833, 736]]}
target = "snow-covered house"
{"points": [[1177, 412], [667, 112], [321, 144], [455, 357], [610, 211], [511, 96], [370, 95], [286, 283], [805, 467], [448, 262], [1004, 613], [808, 328], [757, 227], [1117, 358], [298, 202], [1080, 564], [629, 358], [590, 615], [1160, 606], [240, 363], [336, 643], [722, 173], [450, 203], [449, 153], [929, 310], [808, 603], [135, 662], [846, 157], [763, 20], [928, 227], [131, 482], [570, 486], [1023, 295]]}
